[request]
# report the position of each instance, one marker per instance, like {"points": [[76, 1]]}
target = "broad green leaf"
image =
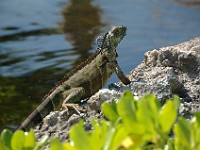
{"points": [[107, 131], [68, 146], [6, 136], [55, 144], [126, 109], [17, 140], [114, 105], [147, 113], [182, 132], [118, 136], [99, 133], [176, 101], [3, 146], [80, 138], [197, 118], [103, 134], [170, 144], [41, 143], [195, 131], [168, 116], [30, 140], [153, 104], [109, 111]]}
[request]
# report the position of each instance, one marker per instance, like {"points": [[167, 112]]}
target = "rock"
{"points": [[164, 72], [95, 101], [183, 61], [172, 70]]}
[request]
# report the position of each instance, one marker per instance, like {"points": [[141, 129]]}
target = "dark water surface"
{"points": [[41, 41]]}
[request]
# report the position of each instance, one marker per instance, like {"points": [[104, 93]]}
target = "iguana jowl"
{"points": [[85, 80]]}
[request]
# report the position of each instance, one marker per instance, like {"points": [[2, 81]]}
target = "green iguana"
{"points": [[85, 80]]}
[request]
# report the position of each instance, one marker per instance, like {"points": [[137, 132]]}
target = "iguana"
{"points": [[85, 80]]}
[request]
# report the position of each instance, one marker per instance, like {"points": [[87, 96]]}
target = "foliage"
{"points": [[132, 124], [20, 140]]}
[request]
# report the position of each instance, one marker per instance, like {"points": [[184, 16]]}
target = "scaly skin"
{"points": [[85, 80]]}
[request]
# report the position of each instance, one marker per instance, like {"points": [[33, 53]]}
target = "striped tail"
{"points": [[37, 115]]}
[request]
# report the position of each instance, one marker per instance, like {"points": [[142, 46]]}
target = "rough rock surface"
{"points": [[164, 72]]}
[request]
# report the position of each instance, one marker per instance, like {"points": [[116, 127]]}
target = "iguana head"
{"points": [[112, 38], [109, 42]]}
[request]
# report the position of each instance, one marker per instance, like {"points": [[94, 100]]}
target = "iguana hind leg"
{"points": [[73, 96]]}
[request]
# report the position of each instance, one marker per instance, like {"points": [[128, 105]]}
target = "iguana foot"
{"points": [[72, 106]]}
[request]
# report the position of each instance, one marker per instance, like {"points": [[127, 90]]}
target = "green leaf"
{"points": [[126, 109], [152, 104], [99, 133], [195, 131], [80, 138], [102, 134], [108, 134], [118, 136], [176, 101], [3, 146], [42, 142], [170, 144], [6, 136], [197, 118], [110, 111], [30, 140], [168, 115], [68, 146], [182, 133], [55, 144], [17, 140], [147, 113]]}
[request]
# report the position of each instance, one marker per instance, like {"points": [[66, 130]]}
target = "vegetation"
{"points": [[132, 124]]}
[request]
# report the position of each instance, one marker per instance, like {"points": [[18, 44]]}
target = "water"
{"points": [[41, 41]]}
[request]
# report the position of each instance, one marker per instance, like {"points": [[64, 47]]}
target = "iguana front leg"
{"points": [[115, 67]]}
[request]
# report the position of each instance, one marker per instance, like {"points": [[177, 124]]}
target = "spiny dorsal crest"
{"points": [[99, 42]]}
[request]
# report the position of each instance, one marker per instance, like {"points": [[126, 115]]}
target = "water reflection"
{"points": [[188, 3], [81, 25], [21, 35], [20, 95]]}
